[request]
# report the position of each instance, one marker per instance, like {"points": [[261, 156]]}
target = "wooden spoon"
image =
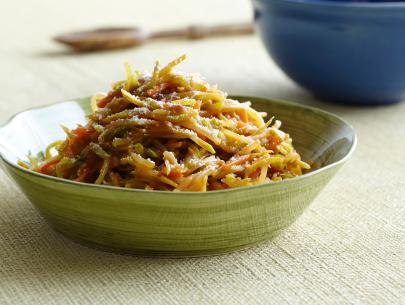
{"points": [[117, 38]]}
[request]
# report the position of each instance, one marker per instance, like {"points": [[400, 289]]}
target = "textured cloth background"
{"points": [[348, 248]]}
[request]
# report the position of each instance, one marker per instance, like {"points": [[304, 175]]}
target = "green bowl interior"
{"points": [[318, 136]]}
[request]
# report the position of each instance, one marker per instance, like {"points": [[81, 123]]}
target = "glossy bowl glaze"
{"points": [[174, 223], [345, 51]]}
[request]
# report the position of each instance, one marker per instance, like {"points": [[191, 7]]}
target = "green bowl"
{"points": [[174, 223]]}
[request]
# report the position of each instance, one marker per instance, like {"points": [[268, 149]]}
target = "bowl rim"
{"points": [[343, 4], [230, 190]]}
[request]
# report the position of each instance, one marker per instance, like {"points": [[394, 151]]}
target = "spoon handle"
{"points": [[202, 31]]}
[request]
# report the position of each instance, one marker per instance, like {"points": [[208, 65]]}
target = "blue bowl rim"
{"points": [[236, 189], [343, 4]]}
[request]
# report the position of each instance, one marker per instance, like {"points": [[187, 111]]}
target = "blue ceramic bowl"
{"points": [[344, 51]]}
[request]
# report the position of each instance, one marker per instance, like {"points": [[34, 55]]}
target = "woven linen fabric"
{"points": [[347, 248]]}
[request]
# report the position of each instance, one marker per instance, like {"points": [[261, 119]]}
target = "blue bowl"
{"points": [[344, 51]]}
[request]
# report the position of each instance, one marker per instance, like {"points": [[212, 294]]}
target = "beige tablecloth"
{"points": [[348, 247]]}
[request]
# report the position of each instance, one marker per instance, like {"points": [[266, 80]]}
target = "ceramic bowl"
{"points": [[174, 223], [350, 52]]}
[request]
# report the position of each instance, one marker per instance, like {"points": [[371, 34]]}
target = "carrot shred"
{"points": [[227, 166], [104, 101], [158, 89], [216, 185], [175, 174], [44, 168], [240, 124], [81, 136], [243, 114], [197, 105], [256, 173]]}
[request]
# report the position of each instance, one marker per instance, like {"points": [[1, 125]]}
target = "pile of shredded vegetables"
{"points": [[171, 131]]}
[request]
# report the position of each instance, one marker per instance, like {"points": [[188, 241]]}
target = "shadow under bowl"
{"points": [[350, 52], [174, 223]]}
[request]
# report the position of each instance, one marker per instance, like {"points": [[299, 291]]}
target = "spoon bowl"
{"points": [[104, 38]]}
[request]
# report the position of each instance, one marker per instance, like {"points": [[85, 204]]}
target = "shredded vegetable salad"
{"points": [[172, 131]]}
